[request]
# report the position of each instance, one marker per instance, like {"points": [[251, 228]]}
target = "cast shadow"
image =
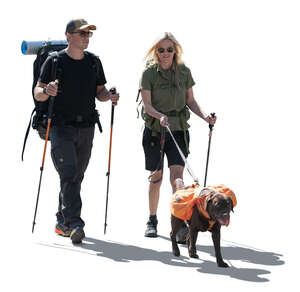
{"points": [[125, 253], [239, 253]]}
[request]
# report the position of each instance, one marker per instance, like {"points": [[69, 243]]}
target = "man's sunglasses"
{"points": [[83, 33], [162, 50]]}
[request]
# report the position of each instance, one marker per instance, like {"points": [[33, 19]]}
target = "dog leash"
{"points": [[183, 158]]}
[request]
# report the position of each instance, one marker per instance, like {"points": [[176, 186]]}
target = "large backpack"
{"points": [[39, 115], [41, 108]]}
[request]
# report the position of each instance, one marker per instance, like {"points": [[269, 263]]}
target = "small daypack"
{"points": [[39, 115]]}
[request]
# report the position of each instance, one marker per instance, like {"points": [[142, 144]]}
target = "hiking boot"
{"points": [[151, 230], [77, 235], [182, 234], [62, 230]]}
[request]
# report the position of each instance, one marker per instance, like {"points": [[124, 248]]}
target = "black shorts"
{"points": [[151, 145]]}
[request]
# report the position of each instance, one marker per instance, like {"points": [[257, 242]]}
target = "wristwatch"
{"points": [[44, 90]]}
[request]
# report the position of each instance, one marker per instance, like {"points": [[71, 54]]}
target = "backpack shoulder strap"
{"points": [[95, 60], [154, 75], [96, 65], [53, 54]]}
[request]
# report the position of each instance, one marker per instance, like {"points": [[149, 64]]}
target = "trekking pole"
{"points": [[50, 110], [113, 91], [208, 150]]}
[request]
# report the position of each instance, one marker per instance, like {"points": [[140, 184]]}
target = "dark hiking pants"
{"points": [[70, 150]]}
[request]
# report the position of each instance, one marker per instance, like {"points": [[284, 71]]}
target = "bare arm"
{"points": [[104, 95], [51, 89], [195, 108]]}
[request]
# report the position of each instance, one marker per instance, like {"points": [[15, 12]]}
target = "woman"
{"points": [[166, 88]]}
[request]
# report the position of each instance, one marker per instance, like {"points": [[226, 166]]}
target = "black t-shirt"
{"points": [[78, 80]]}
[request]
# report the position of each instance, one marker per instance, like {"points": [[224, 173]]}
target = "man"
{"points": [[80, 78]]}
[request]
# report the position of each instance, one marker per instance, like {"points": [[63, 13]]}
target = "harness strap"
{"points": [[211, 224], [139, 103], [27, 133]]}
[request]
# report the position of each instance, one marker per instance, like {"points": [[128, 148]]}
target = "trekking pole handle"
{"points": [[51, 98], [211, 126], [113, 91], [51, 104]]}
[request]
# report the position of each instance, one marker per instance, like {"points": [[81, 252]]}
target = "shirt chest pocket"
{"points": [[183, 78], [161, 84]]}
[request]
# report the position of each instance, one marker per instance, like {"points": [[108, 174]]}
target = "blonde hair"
{"points": [[152, 56]]}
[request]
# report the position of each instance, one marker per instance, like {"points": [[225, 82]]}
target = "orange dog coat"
{"points": [[183, 200]]}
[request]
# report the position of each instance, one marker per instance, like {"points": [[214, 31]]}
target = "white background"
{"points": [[244, 57]]}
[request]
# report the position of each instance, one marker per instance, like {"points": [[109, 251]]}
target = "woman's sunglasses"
{"points": [[83, 33], [162, 50]]}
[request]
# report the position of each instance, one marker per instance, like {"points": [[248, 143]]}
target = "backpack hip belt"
{"points": [[181, 115]]}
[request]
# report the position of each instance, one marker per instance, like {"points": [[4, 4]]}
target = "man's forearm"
{"points": [[39, 94], [103, 94]]}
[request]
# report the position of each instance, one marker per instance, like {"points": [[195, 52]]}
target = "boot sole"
{"points": [[61, 233], [77, 236], [151, 235]]}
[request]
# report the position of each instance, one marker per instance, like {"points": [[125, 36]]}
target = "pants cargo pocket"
{"points": [[64, 159]]}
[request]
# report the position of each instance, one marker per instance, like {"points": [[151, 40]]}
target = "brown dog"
{"points": [[203, 210]]}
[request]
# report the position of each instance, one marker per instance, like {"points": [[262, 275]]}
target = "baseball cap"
{"points": [[79, 24]]}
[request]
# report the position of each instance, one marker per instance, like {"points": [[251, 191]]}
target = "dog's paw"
{"points": [[176, 252], [222, 265], [194, 256]]}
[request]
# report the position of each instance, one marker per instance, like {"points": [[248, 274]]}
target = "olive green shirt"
{"points": [[168, 91]]}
